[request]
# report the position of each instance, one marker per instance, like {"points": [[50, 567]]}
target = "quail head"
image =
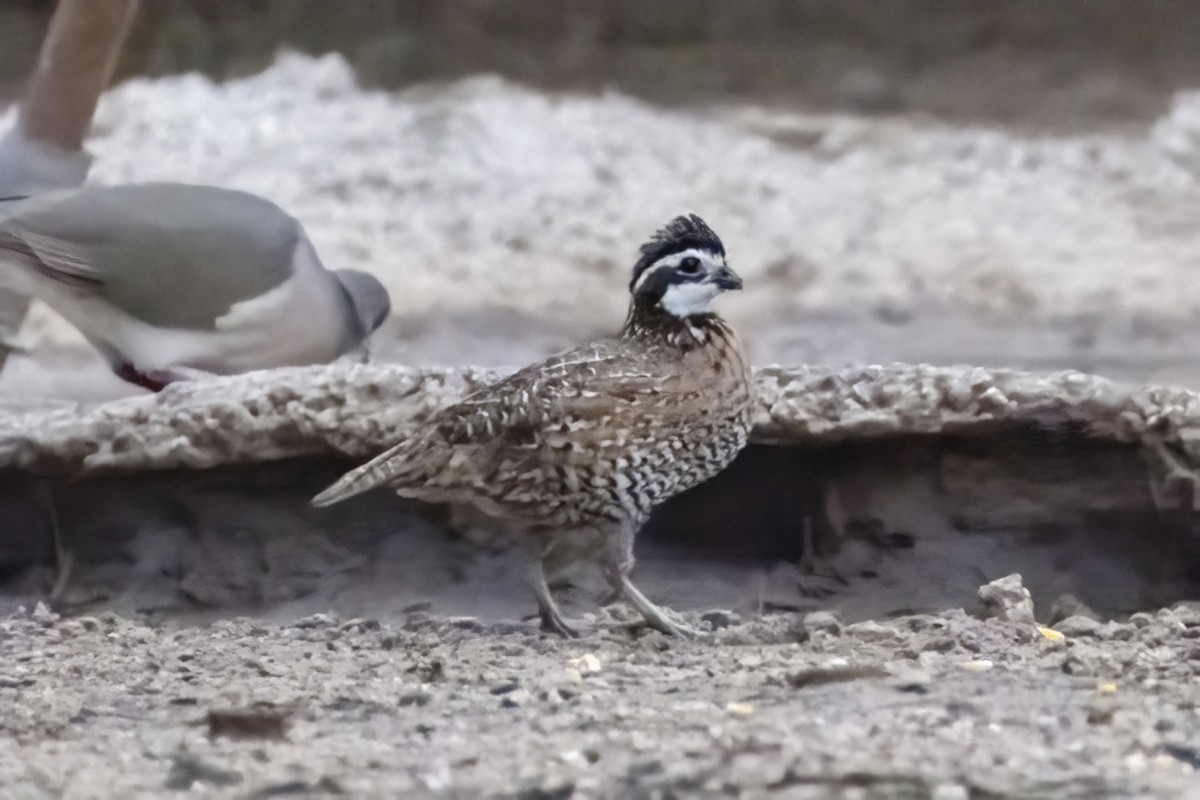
{"points": [[590, 441]]}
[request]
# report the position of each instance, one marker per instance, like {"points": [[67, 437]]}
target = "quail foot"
{"points": [[592, 440], [169, 281]]}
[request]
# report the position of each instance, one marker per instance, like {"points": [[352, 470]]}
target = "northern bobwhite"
{"points": [[593, 439]]}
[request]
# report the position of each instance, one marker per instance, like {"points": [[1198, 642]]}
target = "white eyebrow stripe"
{"points": [[675, 259]]}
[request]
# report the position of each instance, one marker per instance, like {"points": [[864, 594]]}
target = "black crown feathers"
{"points": [[685, 232]]}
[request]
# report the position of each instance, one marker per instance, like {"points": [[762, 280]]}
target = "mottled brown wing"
{"points": [[568, 410], [577, 396], [533, 442]]}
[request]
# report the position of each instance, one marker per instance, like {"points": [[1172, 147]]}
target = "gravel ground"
{"points": [[932, 706]]}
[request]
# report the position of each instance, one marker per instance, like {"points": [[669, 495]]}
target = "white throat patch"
{"points": [[684, 299]]}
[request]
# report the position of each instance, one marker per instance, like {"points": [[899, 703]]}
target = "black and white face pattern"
{"points": [[682, 269]]}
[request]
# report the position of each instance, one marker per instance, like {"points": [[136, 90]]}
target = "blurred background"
{"points": [[998, 184]]}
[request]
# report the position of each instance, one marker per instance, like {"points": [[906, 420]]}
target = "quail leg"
{"points": [[552, 618], [618, 564], [809, 583]]}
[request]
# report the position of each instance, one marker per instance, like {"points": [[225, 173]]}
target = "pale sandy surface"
{"points": [[505, 220]]}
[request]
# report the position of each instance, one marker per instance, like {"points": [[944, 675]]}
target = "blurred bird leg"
{"points": [[64, 556], [74, 67], [45, 149], [552, 618], [617, 566], [808, 581], [807, 558], [759, 581]]}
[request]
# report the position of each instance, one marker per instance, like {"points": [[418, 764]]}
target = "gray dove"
{"points": [[169, 280]]}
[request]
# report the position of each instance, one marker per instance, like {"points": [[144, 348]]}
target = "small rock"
{"points": [[516, 699], [260, 721], [720, 618], [314, 621], [914, 681], [361, 624], [939, 644], [419, 696], [817, 676], [1051, 635], [754, 772], [586, 664], [1101, 711], [43, 615], [824, 621], [950, 791], [574, 758], [1068, 605], [507, 687], [977, 665], [1116, 631], [1078, 626], [465, 623], [871, 631], [1007, 599], [417, 620], [1187, 752], [285, 789], [187, 769], [739, 709]]}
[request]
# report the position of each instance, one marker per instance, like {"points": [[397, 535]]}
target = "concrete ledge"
{"points": [[357, 410]]}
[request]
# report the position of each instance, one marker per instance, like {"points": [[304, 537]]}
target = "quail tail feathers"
{"points": [[385, 468]]}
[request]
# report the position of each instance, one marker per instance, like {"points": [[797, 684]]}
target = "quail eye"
{"points": [[690, 265]]}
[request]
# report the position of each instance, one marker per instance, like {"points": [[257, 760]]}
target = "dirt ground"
{"points": [[939, 706]]}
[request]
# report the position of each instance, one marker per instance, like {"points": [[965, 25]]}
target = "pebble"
{"points": [[1051, 635], [1007, 599], [739, 709], [516, 699], [187, 769], [950, 791], [1078, 626], [720, 618], [872, 631], [43, 615], [911, 680], [586, 664], [510, 685], [824, 621], [574, 758]]}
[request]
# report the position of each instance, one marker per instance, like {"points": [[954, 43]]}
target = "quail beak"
{"points": [[726, 279]]}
